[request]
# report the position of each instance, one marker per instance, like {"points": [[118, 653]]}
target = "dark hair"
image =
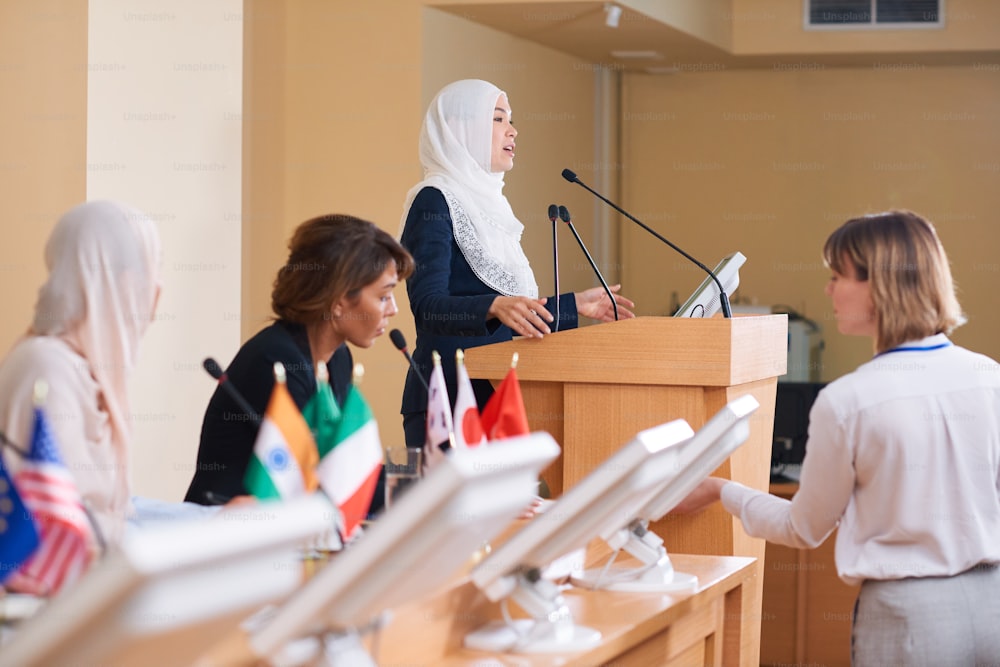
{"points": [[330, 257], [911, 285]]}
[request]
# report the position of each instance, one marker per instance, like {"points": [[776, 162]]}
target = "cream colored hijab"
{"points": [[104, 273], [456, 144], [104, 276]]}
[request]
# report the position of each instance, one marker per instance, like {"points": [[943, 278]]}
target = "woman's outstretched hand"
{"points": [[706, 493], [524, 315], [594, 303]]}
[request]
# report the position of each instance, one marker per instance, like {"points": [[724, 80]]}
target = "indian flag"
{"points": [[284, 455], [349, 472]]}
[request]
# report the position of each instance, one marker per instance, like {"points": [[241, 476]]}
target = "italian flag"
{"points": [[322, 413], [284, 454], [348, 472]]}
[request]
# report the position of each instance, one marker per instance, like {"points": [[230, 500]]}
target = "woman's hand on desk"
{"points": [[237, 501], [537, 506], [524, 315], [706, 493], [594, 303]]}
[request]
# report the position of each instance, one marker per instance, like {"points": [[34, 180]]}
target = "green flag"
{"points": [[322, 413]]}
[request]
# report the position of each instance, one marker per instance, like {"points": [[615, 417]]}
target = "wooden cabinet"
{"points": [[806, 608]]}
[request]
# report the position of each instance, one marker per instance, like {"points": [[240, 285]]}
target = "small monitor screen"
{"points": [[417, 545], [705, 301], [585, 511]]}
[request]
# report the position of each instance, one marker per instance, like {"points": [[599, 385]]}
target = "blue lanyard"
{"points": [[915, 349]]}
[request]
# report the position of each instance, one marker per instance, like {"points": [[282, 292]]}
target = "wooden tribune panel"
{"points": [[595, 387]]}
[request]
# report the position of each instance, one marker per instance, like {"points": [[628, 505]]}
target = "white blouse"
{"points": [[904, 455]]}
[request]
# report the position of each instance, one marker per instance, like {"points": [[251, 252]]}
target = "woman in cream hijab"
{"points": [[472, 284], [103, 260]]}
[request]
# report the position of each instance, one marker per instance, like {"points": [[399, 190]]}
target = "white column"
{"points": [[164, 126], [607, 172]]}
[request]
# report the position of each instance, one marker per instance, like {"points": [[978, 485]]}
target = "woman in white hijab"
{"points": [[104, 280], [103, 260], [472, 284]]}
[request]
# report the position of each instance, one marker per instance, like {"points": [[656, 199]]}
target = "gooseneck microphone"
{"points": [[553, 216], [564, 214], [723, 297], [397, 338], [213, 368]]}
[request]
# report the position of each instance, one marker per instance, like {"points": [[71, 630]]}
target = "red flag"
{"points": [[50, 494], [504, 415]]}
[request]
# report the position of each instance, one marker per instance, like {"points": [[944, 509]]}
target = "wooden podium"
{"points": [[595, 387]]}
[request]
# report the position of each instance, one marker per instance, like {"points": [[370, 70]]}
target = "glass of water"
{"points": [[402, 470]]}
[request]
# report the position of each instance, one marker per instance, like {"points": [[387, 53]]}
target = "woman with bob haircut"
{"points": [[903, 458], [336, 288]]}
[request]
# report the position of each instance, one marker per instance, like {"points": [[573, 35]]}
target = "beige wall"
{"points": [[332, 104], [173, 150], [769, 162], [43, 162]]}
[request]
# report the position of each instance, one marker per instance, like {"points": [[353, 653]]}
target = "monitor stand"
{"points": [[549, 630], [655, 575]]}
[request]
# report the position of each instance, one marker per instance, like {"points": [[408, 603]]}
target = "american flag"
{"points": [[50, 494]]}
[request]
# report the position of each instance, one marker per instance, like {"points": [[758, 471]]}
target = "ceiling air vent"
{"points": [[873, 13]]}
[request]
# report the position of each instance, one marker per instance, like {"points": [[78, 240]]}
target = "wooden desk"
{"points": [[806, 608], [703, 628], [707, 627]]}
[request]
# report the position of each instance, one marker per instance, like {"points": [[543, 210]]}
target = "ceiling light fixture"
{"points": [[637, 55]]}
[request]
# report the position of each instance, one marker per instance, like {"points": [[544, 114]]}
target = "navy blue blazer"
{"points": [[449, 302]]}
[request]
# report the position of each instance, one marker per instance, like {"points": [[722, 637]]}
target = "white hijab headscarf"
{"points": [[104, 276], [456, 144]]}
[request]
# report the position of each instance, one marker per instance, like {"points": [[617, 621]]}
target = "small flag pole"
{"points": [[436, 357], [41, 393]]}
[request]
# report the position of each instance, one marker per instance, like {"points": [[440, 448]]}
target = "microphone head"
{"points": [[213, 368], [397, 338], [553, 212], [564, 212], [569, 175]]}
